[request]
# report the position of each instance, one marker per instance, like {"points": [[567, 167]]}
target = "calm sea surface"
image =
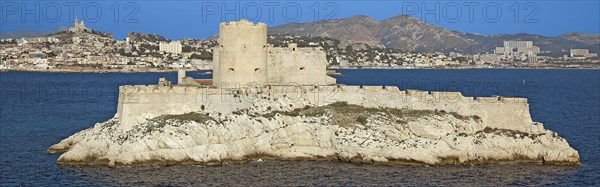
{"points": [[40, 109]]}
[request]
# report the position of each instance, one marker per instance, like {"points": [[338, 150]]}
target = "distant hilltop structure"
{"points": [[243, 57], [78, 26]]}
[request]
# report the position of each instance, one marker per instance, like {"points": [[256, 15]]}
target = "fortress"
{"points": [[266, 102], [244, 57], [248, 72]]}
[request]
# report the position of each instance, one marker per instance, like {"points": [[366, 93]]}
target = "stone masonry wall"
{"points": [[241, 55], [140, 102], [297, 66]]}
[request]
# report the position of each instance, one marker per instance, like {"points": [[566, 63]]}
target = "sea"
{"points": [[39, 109]]}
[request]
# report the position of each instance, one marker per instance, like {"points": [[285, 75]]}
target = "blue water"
{"points": [[40, 109]]}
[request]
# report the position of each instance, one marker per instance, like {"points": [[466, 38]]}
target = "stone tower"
{"points": [[241, 57]]}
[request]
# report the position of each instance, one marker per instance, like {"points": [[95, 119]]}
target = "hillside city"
{"points": [[81, 49]]}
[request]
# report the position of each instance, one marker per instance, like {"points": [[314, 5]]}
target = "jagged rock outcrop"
{"points": [[338, 131], [145, 38]]}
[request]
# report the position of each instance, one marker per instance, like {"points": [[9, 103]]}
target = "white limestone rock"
{"points": [[379, 137]]}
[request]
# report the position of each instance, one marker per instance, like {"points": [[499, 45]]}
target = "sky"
{"points": [[200, 19]]}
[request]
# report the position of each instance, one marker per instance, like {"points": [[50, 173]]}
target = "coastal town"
{"points": [[81, 49]]}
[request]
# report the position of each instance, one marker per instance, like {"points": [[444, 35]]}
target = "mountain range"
{"points": [[30, 33], [405, 33], [411, 34]]}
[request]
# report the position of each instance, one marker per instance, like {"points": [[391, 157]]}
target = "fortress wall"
{"points": [[297, 66], [492, 110], [137, 103], [216, 73]]}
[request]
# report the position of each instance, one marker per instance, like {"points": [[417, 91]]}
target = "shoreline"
{"points": [[450, 161], [98, 71], [465, 68], [364, 68]]}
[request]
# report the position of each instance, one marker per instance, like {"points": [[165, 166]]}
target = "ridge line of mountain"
{"points": [[408, 33]]}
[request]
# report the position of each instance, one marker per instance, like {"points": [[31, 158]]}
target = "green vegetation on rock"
{"points": [[343, 114], [158, 123]]}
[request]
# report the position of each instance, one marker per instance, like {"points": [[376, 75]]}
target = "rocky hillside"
{"points": [[358, 29], [145, 38], [411, 34], [337, 131], [89, 35]]}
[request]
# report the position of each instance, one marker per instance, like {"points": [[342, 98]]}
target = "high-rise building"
{"points": [[513, 44], [170, 47], [579, 52]]}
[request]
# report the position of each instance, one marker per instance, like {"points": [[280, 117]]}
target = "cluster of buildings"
{"points": [[362, 55], [510, 54], [380, 57], [82, 49], [517, 51]]}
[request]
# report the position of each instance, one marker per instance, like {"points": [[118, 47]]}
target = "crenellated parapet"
{"points": [[141, 89], [243, 23]]}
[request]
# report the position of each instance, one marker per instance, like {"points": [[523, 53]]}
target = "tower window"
{"points": [[231, 70], [301, 68], [256, 69]]}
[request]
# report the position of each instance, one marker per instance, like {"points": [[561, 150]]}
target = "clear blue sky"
{"points": [[199, 19]]}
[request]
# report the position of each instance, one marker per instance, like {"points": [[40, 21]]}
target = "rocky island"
{"points": [[268, 102]]}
